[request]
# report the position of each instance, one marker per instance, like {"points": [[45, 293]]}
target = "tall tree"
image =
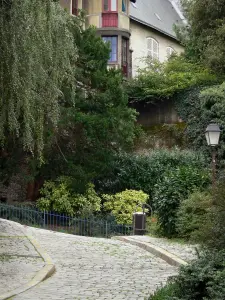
{"points": [[100, 123], [38, 54], [204, 36]]}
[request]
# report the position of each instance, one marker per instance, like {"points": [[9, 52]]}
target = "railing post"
{"points": [[106, 229], [44, 218]]}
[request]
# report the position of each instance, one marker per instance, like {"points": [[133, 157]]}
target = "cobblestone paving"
{"points": [[17, 271], [184, 251], [19, 261], [97, 269]]}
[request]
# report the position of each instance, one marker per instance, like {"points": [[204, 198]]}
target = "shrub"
{"points": [[174, 187], [123, 205], [193, 214], [142, 172], [203, 279], [165, 293], [212, 234], [59, 197]]}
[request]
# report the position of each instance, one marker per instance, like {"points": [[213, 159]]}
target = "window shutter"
{"points": [[152, 48], [149, 47]]}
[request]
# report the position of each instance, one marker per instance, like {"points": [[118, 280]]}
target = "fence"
{"points": [[57, 222]]}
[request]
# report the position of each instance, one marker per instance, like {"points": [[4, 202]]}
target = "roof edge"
{"points": [[154, 27]]}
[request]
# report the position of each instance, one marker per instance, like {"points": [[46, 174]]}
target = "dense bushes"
{"points": [[123, 205], [202, 279], [212, 233], [201, 217], [162, 80], [171, 190], [59, 197], [197, 107], [142, 172], [166, 176], [193, 215]]}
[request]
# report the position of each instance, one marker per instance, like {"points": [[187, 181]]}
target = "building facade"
{"points": [[152, 31], [135, 29]]}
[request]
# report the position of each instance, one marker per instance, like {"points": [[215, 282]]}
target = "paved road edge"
{"points": [[155, 250], [41, 275]]}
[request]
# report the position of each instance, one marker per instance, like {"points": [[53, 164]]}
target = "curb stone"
{"points": [[155, 250], [41, 275]]}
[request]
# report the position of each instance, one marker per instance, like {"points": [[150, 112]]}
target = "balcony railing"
{"points": [[109, 19]]}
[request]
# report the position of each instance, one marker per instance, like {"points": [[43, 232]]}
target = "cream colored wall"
{"points": [[94, 13], [139, 34], [124, 21], [94, 7], [94, 20]]}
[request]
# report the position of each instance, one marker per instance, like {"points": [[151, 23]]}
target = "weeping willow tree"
{"points": [[38, 55]]}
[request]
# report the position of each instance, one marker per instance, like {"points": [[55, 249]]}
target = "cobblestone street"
{"points": [[19, 261], [91, 268]]}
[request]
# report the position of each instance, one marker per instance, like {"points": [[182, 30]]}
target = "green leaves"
{"points": [[197, 107], [143, 172], [193, 215], [163, 80], [38, 54], [171, 190], [204, 37], [59, 197], [123, 205]]}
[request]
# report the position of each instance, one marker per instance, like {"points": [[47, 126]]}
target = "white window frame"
{"points": [[169, 51], [152, 48]]}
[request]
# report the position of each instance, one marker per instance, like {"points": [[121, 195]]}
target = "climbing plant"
{"points": [[197, 107]]}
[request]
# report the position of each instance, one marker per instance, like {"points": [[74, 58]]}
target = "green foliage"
{"points": [[212, 233], [193, 215], [59, 197], [123, 205], [197, 107], [163, 80], [203, 38], [171, 190], [38, 55], [92, 120], [142, 172], [165, 293], [203, 279], [100, 124]]}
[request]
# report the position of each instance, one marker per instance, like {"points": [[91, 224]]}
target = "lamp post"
{"points": [[212, 135]]}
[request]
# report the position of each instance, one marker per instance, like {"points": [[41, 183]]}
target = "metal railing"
{"points": [[59, 222]]}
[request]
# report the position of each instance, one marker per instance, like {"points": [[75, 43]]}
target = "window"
{"points": [[106, 5], [124, 6], [169, 51], [75, 7], [125, 44], [113, 45], [152, 48], [109, 5]]}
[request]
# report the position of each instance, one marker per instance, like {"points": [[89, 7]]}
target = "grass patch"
{"points": [[164, 293]]}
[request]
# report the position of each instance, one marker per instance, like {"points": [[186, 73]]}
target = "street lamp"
{"points": [[212, 135]]}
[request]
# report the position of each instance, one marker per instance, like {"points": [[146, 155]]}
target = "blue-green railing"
{"points": [[59, 222]]}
